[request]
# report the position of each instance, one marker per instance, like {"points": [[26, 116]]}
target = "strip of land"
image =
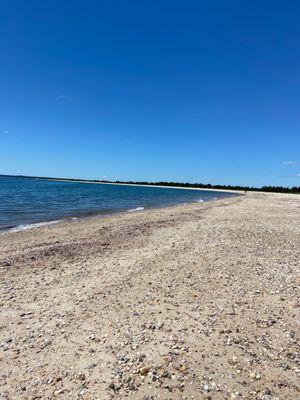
{"points": [[199, 301], [149, 185]]}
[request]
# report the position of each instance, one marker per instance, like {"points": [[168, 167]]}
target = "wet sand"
{"points": [[199, 301]]}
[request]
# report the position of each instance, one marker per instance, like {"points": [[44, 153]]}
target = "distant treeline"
{"points": [[275, 189]]}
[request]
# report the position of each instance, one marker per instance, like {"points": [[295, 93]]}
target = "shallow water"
{"points": [[27, 201]]}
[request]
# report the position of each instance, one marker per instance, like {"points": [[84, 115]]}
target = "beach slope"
{"points": [[199, 301]]}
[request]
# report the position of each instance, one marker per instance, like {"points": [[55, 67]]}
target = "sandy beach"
{"points": [[199, 301]]}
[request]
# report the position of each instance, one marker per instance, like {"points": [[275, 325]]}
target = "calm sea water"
{"points": [[27, 201]]}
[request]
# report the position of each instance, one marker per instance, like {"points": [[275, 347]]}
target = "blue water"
{"points": [[26, 201]]}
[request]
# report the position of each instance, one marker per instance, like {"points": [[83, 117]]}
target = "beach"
{"points": [[195, 301]]}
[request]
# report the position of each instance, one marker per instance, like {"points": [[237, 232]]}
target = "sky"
{"points": [[189, 91]]}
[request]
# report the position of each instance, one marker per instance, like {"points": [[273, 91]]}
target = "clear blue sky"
{"points": [[156, 90]]}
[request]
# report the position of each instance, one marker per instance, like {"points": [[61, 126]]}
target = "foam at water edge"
{"points": [[200, 201], [32, 226], [136, 209]]}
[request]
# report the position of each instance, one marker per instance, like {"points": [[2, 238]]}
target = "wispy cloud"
{"points": [[291, 175], [290, 163]]}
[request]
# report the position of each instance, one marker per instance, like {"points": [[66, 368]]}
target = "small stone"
{"points": [[144, 370], [206, 388], [255, 375], [132, 386], [183, 368], [81, 376], [233, 360]]}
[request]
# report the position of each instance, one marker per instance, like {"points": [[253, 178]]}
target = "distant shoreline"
{"points": [[135, 184], [175, 185]]}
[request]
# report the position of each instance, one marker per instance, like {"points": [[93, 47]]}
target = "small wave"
{"points": [[136, 209], [200, 201], [32, 226]]}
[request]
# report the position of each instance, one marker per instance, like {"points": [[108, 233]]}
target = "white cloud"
{"points": [[290, 163]]}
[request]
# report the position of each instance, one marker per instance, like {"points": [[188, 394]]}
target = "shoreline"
{"points": [[36, 225], [157, 186], [181, 302]]}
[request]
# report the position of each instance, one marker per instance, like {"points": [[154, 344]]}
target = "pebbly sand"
{"points": [[190, 302]]}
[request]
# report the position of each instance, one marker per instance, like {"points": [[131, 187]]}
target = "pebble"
{"points": [[255, 375], [233, 360], [183, 368], [144, 370]]}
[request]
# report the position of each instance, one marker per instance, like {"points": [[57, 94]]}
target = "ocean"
{"points": [[30, 202]]}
